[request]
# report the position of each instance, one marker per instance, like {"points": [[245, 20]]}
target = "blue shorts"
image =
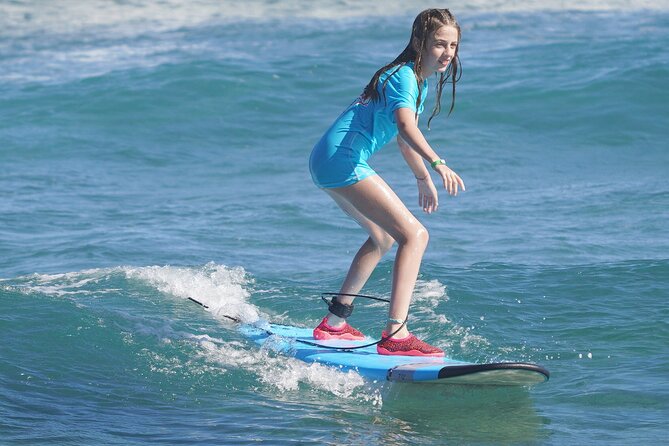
{"points": [[340, 159]]}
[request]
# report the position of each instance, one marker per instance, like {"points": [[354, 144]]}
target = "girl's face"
{"points": [[439, 51]]}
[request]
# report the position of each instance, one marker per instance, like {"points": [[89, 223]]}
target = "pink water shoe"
{"points": [[408, 346], [346, 332]]}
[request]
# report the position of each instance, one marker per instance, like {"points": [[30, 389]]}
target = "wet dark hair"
{"points": [[425, 25]]}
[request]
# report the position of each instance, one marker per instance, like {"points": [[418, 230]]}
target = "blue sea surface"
{"points": [[155, 151]]}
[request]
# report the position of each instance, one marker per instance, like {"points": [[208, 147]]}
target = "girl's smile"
{"points": [[440, 50]]}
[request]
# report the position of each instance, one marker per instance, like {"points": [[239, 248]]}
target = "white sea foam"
{"points": [[72, 16], [427, 297], [67, 284], [428, 294], [222, 289], [288, 374], [65, 40]]}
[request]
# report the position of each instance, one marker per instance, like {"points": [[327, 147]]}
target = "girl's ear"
{"points": [[415, 44]]}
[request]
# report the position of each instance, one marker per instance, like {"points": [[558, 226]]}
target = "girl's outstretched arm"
{"points": [[411, 134]]}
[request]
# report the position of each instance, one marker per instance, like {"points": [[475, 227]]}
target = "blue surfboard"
{"points": [[299, 342]]}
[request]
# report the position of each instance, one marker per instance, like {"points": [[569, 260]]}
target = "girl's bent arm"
{"points": [[411, 134]]}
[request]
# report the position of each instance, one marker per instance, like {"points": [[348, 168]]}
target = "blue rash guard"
{"points": [[340, 157]]}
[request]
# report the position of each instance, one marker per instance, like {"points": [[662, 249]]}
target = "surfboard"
{"points": [[299, 343]]}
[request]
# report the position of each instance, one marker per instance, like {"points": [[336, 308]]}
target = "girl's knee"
{"points": [[422, 236], [416, 235]]}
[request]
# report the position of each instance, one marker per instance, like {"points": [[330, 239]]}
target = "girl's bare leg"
{"points": [[365, 260], [374, 200]]}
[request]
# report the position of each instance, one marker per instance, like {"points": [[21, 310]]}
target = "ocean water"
{"points": [[154, 151]]}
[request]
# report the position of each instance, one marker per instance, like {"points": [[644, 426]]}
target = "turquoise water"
{"points": [[152, 151]]}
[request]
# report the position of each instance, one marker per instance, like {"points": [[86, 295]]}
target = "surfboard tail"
{"points": [[499, 374]]}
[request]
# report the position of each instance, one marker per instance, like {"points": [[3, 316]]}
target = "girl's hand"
{"points": [[428, 198], [451, 179]]}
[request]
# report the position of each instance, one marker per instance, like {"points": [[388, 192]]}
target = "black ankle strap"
{"points": [[339, 309]]}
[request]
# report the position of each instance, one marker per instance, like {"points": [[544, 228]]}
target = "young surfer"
{"points": [[389, 106]]}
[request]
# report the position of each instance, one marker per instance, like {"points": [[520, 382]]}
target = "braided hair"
{"points": [[425, 25]]}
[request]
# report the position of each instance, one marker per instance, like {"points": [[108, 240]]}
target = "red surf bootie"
{"points": [[346, 332], [409, 346]]}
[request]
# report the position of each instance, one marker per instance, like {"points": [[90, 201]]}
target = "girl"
{"points": [[389, 106]]}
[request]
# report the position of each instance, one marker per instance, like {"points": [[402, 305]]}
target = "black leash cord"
{"points": [[382, 299], [232, 318], [356, 347], [315, 344]]}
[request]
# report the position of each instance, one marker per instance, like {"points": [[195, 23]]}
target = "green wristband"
{"points": [[437, 162]]}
